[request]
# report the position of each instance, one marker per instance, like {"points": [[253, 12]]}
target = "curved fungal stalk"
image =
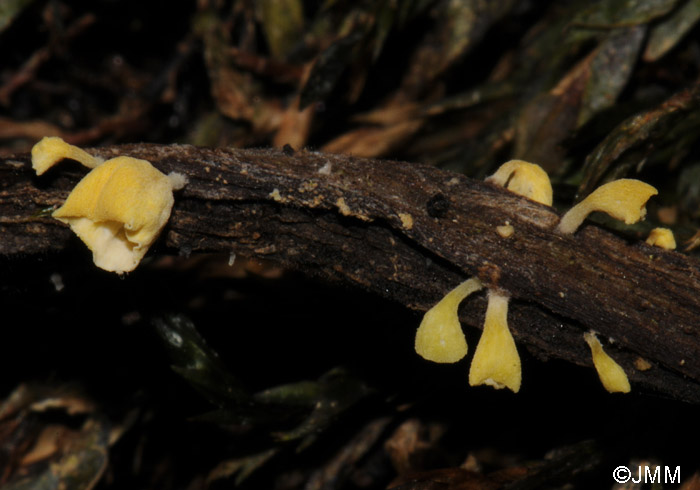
{"points": [[496, 361], [663, 238], [610, 373], [51, 150], [524, 178], [439, 337], [623, 199], [118, 209]]}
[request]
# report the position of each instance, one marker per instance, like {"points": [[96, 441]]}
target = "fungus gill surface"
{"points": [[118, 209], [496, 361], [439, 337], [623, 199], [610, 373]]}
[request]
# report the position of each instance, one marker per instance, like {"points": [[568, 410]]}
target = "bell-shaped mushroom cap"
{"points": [[610, 373], [496, 361], [51, 150], [662, 237], [623, 199], [118, 210], [439, 337], [526, 179]]}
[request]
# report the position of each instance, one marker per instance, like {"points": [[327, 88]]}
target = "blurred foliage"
{"points": [[314, 404], [307, 408], [589, 90], [50, 454]]}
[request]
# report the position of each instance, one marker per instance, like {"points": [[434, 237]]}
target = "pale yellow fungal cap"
{"points": [[118, 210], [623, 199], [662, 237], [610, 373], [527, 179], [51, 150], [439, 337], [496, 361], [505, 231]]}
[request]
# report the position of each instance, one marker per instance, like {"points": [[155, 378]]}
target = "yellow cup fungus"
{"points": [[439, 337], [662, 237], [623, 199], [524, 178], [610, 373], [496, 361], [118, 209]]}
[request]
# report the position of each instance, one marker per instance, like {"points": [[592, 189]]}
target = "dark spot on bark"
{"points": [[288, 150], [437, 206]]}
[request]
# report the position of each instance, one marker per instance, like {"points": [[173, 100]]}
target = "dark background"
{"points": [[415, 80]]}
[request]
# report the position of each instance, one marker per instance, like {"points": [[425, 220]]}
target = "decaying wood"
{"points": [[410, 232]]}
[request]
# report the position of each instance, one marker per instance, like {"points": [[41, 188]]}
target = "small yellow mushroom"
{"points": [[623, 199], [526, 179], [505, 231], [662, 237], [610, 373], [439, 337], [496, 361], [51, 150], [118, 209]]}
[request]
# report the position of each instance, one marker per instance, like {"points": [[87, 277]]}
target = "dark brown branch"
{"points": [[411, 232]]}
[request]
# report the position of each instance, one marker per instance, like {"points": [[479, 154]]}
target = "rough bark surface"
{"points": [[410, 233]]}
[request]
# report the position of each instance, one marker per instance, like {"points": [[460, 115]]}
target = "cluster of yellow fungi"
{"points": [[496, 361], [118, 209]]}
